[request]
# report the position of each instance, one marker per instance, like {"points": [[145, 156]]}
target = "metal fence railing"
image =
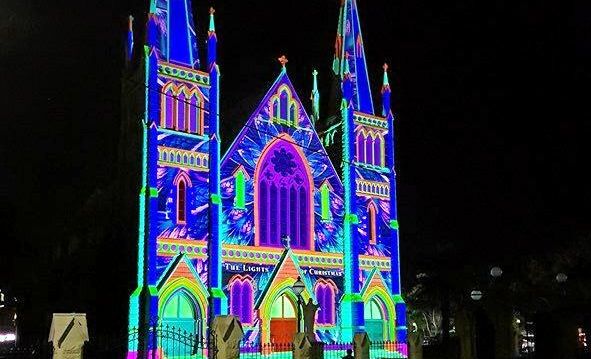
{"points": [[175, 343], [377, 350]]}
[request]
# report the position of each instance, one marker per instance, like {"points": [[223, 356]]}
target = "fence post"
{"points": [[305, 348], [361, 345], [227, 331]]}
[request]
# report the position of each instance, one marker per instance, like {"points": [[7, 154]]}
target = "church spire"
{"points": [[212, 41], [130, 40], [177, 42], [315, 97], [349, 41], [386, 91]]}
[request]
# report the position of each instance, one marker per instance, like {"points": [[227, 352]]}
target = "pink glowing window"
{"points": [[181, 203], [325, 295], [283, 197], [168, 106], [371, 223], [241, 299]]}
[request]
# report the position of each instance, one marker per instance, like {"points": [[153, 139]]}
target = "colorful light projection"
{"points": [[230, 234]]}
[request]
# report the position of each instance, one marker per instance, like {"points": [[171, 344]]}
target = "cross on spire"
{"points": [[385, 67], [211, 21], [283, 60]]}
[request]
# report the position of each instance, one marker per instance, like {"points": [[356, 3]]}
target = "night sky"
{"points": [[492, 146]]}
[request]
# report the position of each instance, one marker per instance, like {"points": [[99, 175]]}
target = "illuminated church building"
{"points": [[229, 233]]}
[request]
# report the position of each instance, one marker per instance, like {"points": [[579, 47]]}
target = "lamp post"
{"points": [[298, 287], [496, 272], [561, 279]]}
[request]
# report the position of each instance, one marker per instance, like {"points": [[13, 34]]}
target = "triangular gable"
{"points": [[375, 279], [260, 129], [181, 267], [287, 267]]}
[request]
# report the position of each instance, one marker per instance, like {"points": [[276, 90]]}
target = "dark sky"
{"points": [[492, 146]]}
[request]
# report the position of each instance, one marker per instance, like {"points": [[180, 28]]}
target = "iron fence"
{"points": [[377, 350], [175, 343]]}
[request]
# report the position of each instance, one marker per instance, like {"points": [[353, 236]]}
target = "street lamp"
{"points": [[496, 272], [561, 278], [297, 288]]}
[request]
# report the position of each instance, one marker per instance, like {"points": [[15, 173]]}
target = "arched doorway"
{"points": [[283, 320], [375, 320], [180, 312]]}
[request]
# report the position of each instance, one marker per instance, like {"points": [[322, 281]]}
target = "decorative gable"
{"points": [[280, 128]]}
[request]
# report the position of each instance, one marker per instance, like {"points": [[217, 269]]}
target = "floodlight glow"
{"points": [[8, 337], [211, 226]]}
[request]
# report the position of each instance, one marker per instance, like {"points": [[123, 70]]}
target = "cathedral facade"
{"points": [[230, 233]]}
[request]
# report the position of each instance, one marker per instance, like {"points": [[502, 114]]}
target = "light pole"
{"points": [[496, 272], [298, 287], [561, 279]]}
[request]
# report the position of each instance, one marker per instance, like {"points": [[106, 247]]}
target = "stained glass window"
{"points": [[241, 299], [283, 197], [325, 295]]}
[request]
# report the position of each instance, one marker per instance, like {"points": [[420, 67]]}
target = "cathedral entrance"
{"points": [[283, 320], [179, 313], [374, 320]]}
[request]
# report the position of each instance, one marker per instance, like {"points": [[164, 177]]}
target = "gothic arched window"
{"points": [[283, 197], [239, 183], [284, 109], [361, 146], [283, 105], [193, 114], [325, 201], [369, 149], [372, 223], [167, 117], [181, 201], [325, 295], [181, 111], [377, 151], [241, 298]]}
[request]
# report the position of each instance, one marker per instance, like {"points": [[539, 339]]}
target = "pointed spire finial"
{"points": [[349, 40], [315, 97], [386, 92], [386, 81], [130, 39], [283, 61], [346, 69], [211, 20]]}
